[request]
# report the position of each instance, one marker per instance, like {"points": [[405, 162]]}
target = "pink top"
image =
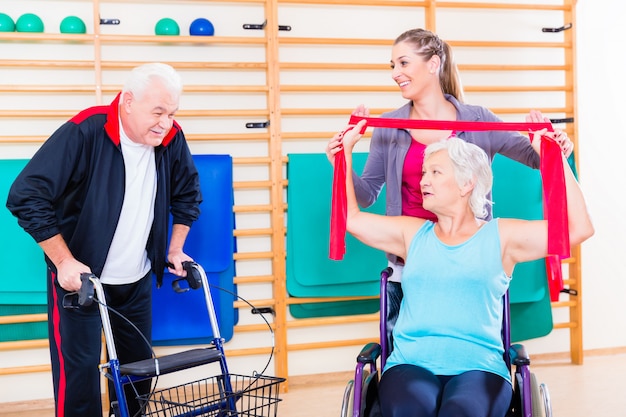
{"points": [[411, 177]]}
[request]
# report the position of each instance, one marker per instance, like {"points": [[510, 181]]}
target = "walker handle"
{"points": [[193, 278]]}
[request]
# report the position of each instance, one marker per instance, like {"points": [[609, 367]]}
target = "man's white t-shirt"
{"points": [[127, 260]]}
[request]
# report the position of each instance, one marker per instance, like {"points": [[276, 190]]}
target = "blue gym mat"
{"points": [[178, 318], [181, 318]]}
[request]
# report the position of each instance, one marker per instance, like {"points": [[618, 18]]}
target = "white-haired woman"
{"points": [[447, 349]]}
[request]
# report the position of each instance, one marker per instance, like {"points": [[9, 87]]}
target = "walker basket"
{"points": [[251, 396]]}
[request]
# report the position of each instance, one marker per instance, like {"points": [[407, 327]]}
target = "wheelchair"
{"points": [[530, 399]]}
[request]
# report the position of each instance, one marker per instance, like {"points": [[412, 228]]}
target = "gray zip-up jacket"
{"points": [[389, 146]]}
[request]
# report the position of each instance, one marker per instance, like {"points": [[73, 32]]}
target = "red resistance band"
{"points": [[552, 177]]}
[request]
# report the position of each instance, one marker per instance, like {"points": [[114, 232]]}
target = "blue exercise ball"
{"points": [[201, 27]]}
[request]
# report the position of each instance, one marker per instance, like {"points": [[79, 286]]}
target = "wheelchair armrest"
{"points": [[518, 354], [369, 353]]}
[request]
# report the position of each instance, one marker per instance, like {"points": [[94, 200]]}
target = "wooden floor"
{"points": [[592, 389]]}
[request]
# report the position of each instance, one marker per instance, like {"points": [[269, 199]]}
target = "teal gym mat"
{"points": [[335, 308], [531, 320], [23, 283], [23, 266], [23, 331], [310, 271], [517, 193]]}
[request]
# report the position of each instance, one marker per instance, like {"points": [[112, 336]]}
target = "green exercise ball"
{"points": [[167, 27], [73, 24], [29, 22], [6, 23]]}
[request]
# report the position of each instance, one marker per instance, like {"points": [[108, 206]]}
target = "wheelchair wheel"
{"points": [[348, 400], [540, 398], [547, 402], [366, 400]]}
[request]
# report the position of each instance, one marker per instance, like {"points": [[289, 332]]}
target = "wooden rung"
{"points": [[393, 88], [334, 41], [249, 351], [180, 65], [253, 279], [323, 321], [377, 111], [337, 88], [569, 325], [389, 42], [252, 232], [119, 65], [258, 303], [225, 89], [512, 6], [22, 139], [180, 114], [329, 344], [253, 208], [65, 114], [31, 63], [515, 89], [239, 256], [24, 344], [484, 67], [223, 113], [46, 37], [161, 40], [310, 300], [331, 66], [24, 370], [24, 318], [240, 328], [509, 44], [227, 137], [386, 3], [561, 304], [252, 184], [47, 88]]}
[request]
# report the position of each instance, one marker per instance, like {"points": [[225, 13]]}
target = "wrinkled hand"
{"points": [[68, 274], [559, 136], [177, 258], [335, 144]]}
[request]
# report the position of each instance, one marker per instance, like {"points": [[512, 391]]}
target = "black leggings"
{"points": [[411, 391]]}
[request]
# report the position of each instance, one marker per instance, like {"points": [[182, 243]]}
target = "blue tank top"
{"points": [[450, 319]]}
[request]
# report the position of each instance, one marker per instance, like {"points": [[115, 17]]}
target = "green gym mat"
{"points": [[531, 320], [517, 193], [310, 271], [338, 308], [23, 267], [23, 331]]}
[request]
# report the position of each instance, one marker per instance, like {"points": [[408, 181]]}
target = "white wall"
{"points": [[602, 146]]}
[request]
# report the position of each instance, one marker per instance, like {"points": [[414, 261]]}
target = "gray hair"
{"points": [[141, 77], [470, 162]]}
